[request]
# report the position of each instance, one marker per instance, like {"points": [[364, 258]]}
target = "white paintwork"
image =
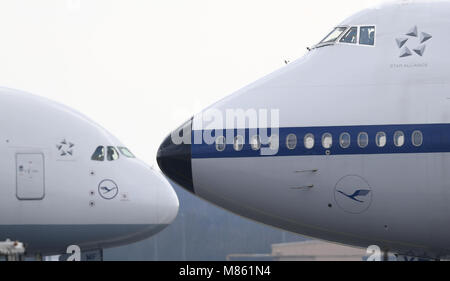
{"points": [[31, 127], [344, 85]]}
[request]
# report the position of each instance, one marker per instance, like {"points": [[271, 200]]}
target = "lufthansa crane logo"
{"points": [[108, 189], [353, 194], [414, 40]]}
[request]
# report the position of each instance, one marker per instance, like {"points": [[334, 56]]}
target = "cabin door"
{"points": [[30, 184]]}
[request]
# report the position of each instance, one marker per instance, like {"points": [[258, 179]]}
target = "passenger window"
{"points": [[126, 152], [344, 140], [417, 138], [99, 154], [308, 141], [363, 139], [255, 142], [238, 143], [327, 140], [367, 35], [112, 153], [220, 143], [274, 142], [399, 138], [380, 139], [350, 36], [291, 141]]}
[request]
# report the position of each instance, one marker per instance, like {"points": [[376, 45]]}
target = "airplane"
{"points": [[350, 143], [67, 181]]}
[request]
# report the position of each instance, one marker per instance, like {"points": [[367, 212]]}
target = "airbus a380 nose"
{"points": [[67, 181], [358, 140]]}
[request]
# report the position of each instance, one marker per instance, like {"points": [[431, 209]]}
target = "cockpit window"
{"points": [[350, 36], [99, 154], [126, 152], [333, 35], [367, 35], [112, 153]]}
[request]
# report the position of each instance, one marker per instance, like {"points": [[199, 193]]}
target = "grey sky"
{"points": [[140, 68]]}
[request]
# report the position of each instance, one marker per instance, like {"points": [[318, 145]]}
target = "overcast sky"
{"points": [[141, 67]]}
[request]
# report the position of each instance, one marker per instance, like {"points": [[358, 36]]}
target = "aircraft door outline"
{"points": [[30, 176]]}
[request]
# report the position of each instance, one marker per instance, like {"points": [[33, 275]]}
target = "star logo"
{"points": [[413, 36], [65, 148]]}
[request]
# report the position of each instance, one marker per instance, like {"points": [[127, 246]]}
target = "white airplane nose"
{"points": [[169, 203]]}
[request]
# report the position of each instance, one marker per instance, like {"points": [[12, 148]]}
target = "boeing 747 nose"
{"points": [[174, 159]]}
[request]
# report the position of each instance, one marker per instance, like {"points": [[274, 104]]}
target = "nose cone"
{"points": [[174, 157], [170, 206]]}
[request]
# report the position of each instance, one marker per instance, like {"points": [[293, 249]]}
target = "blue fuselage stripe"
{"points": [[436, 138]]}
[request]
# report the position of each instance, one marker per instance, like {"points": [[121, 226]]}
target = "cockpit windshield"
{"points": [[99, 154], [334, 35], [111, 153], [126, 152], [358, 35], [350, 36], [367, 36]]}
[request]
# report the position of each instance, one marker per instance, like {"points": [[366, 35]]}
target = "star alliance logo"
{"points": [[411, 38], [65, 148]]}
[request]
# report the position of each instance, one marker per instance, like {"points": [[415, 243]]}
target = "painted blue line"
{"points": [[436, 138]]}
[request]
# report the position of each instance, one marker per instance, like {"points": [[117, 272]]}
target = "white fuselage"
{"points": [[54, 195], [403, 202]]}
